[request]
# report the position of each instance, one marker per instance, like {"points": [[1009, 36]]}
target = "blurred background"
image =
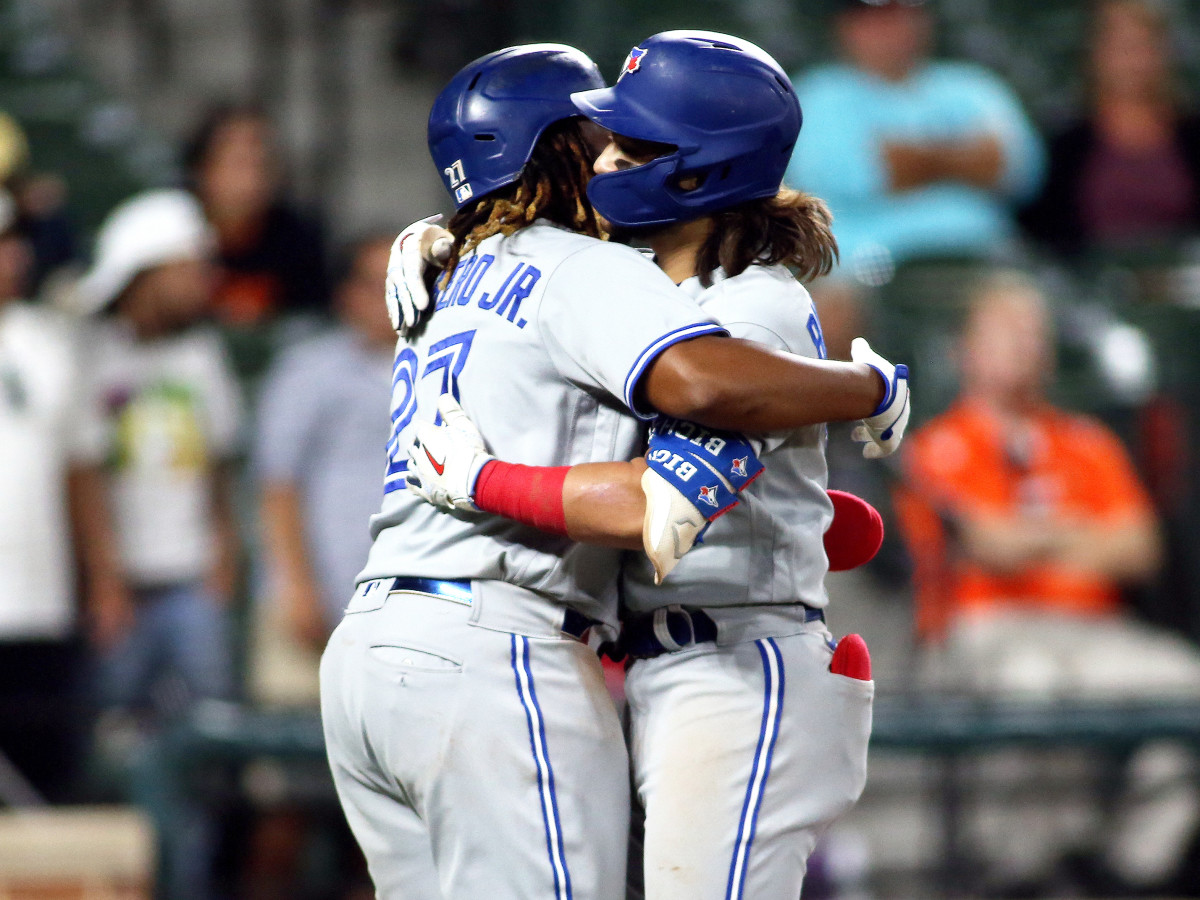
{"points": [[195, 363]]}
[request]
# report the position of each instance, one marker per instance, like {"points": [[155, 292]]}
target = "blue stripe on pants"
{"points": [[545, 772], [768, 732]]}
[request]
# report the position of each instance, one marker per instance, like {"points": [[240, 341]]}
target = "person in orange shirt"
{"points": [[1024, 522], [1012, 503]]}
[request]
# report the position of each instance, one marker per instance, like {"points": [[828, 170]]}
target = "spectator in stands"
{"points": [[916, 158], [1024, 522], [41, 199], [318, 455], [172, 412], [272, 258], [319, 459], [1126, 175], [49, 450], [1023, 508], [45, 218]]}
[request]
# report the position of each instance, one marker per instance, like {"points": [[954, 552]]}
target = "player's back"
{"points": [[769, 548], [541, 336]]}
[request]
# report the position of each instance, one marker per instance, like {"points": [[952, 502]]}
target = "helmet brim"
{"points": [[610, 109]]}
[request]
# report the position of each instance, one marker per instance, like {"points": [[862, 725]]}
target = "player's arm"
{"points": [[603, 503], [689, 478], [738, 385], [596, 503], [717, 381], [593, 503], [726, 382]]}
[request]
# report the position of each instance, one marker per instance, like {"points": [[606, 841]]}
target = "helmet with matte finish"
{"points": [[485, 123], [726, 106]]}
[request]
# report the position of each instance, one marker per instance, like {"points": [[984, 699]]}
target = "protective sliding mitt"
{"points": [[693, 478]]}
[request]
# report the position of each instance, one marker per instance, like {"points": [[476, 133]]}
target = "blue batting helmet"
{"points": [[484, 124], [727, 107]]}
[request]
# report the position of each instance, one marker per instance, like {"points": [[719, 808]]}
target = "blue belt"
{"points": [[458, 591], [574, 624], [671, 628]]}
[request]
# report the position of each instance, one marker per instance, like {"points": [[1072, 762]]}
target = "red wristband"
{"points": [[531, 495]]}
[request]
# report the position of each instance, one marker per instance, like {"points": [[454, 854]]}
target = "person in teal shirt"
{"points": [[917, 158]]}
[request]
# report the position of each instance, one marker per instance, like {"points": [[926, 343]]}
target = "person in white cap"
{"points": [[173, 413]]}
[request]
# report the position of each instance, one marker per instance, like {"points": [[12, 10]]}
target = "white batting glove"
{"points": [[883, 430], [445, 459], [418, 246]]}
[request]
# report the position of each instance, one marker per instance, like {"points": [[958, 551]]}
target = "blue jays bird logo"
{"points": [[708, 495], [633, 62], [739, 466]]}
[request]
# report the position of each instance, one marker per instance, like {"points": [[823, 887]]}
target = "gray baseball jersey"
{"points": [[777, 740], [542, 337], [478, 756], [767, 549]]}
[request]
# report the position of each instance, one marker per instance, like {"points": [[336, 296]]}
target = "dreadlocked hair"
{"points": [[552, 185], [793, 228]]}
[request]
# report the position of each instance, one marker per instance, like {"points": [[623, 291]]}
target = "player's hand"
{"points": [[419, 245], [695, 476], [883, 430], [444, 460]]}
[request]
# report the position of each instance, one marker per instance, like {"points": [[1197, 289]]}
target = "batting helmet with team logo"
{"points": [[485, 123], [725, 105]]}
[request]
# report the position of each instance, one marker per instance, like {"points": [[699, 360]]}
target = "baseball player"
{"points": [[472, 742], [748, 729]]}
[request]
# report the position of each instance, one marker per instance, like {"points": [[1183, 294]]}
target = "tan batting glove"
{"points": [[671, 524]]}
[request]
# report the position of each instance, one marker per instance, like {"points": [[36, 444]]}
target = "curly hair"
{"points": [[793, 228], [552, 185]]}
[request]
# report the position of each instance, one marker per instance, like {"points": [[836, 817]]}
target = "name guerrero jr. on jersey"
{"points": [[448, 356]]}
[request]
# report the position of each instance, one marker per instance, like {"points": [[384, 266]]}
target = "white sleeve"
{"points": [[608, 313]]}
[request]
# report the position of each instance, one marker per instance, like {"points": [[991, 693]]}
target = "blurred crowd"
{"points": [[192, 420]]}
